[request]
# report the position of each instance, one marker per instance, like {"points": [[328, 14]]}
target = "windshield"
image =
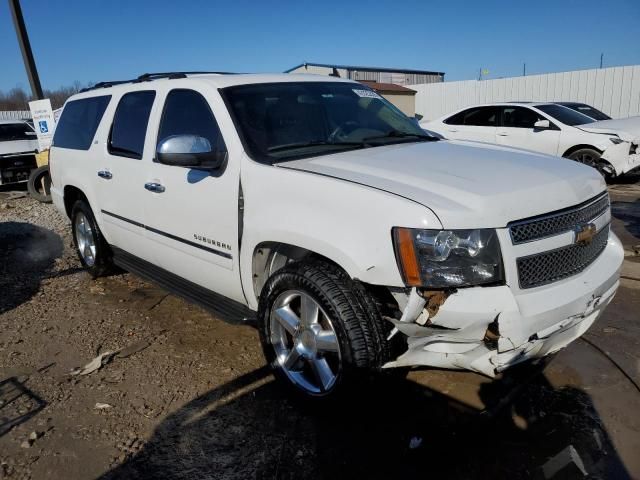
{"points": [[286, 121], [588, 110], [15, 131], [565, 115]]}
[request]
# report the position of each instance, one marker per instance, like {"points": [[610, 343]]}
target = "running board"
{"points": [[221, 306]]}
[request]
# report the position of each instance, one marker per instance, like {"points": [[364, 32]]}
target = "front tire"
{"points": [[591, 157], [93, 250], [319, 331]]}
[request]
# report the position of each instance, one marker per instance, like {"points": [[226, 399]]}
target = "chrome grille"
{"points": [[561, 221], [553, 265]]}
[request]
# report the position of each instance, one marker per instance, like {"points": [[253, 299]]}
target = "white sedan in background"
{"points": [[609, 145]]}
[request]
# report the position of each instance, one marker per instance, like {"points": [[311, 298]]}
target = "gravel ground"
{"points": [[55, 318], [188, 395]]}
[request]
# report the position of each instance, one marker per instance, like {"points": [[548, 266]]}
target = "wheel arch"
{"points": [[270, 256], [71, 194], [575, 148]]}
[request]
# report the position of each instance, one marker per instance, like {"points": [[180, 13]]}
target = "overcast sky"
{"points": [[94, 40]]}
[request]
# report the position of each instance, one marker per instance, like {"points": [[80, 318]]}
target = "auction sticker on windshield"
{"points": [[366, 94]]}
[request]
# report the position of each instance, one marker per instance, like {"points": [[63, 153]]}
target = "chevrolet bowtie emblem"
{"points": [[585, 233]]}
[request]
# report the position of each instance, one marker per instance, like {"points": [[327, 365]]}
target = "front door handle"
{"points": [[154, 187], [105, 174], [502, 134]]}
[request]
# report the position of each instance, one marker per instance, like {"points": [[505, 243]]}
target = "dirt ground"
{"points": [[188, 395]]}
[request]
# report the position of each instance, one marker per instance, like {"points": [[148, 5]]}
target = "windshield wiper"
{"points": [[294, 146], [399, 134]]}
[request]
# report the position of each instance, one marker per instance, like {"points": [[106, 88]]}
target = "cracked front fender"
{"points": [[525, 324], [620, 158]]}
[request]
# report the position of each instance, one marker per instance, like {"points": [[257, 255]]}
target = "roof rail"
{"points": [[147, 77], [104, 85], [171, 75]]}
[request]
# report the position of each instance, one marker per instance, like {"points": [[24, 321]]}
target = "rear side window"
{"points": [[16, 131], [480, 117], [79, 121], [130, 122], [186, 112]]}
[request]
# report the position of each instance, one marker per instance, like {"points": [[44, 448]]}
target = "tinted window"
{"points": [[130, 124], [186, 112], [16, 131], [284, 121], [565, 115], [587, 110], [519, 117], [79, 122], [480, 117]]}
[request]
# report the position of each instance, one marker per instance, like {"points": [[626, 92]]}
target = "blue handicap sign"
{"points": [[43, 126]]}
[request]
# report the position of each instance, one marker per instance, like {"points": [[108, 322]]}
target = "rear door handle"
{"points": [[502, 134], [105, 174], [154, 187]]}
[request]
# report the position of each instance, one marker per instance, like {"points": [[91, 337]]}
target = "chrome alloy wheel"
{"points": [[587, 158], [305, 342], [84, 239]]}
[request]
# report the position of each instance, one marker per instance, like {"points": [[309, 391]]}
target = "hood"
{"points": [[12, 147], [626, 128], [466, 184]]}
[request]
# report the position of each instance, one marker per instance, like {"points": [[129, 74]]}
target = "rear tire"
{"points": [[39, 184], [93, 250], [319, 331]]}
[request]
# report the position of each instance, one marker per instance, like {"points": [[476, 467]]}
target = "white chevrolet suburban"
{"points": [[356, 240]]}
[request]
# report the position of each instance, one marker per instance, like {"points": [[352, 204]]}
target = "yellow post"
{"points": [[42, 158]]}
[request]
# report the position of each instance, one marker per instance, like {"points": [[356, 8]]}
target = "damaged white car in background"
{"points": [[624, 133], [611, 146]]}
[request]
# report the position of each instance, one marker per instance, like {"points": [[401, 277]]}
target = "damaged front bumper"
{"points": [[489, 329], [623, 157]]}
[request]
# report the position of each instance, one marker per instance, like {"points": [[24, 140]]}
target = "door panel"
{"points": [[121, 202], [478, 133], [477, 124], [517, 130], [543, 141], [192, 214], [124, 165]]}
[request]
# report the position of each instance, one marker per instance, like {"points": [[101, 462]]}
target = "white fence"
{"points": [[615, 91], [15, 115]]}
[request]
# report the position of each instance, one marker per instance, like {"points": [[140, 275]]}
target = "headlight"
{"points": [[448, 258]]}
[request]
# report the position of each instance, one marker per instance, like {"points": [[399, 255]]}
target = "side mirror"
{"points": [[189, 151], [542, 125], [418, 117]]}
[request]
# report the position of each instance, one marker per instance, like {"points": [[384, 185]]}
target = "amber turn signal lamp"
{"points": [[406, 255]]}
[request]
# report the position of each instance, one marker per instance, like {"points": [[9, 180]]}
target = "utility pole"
{"points": [[25, 48], [601, 57], [524, 69]]}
